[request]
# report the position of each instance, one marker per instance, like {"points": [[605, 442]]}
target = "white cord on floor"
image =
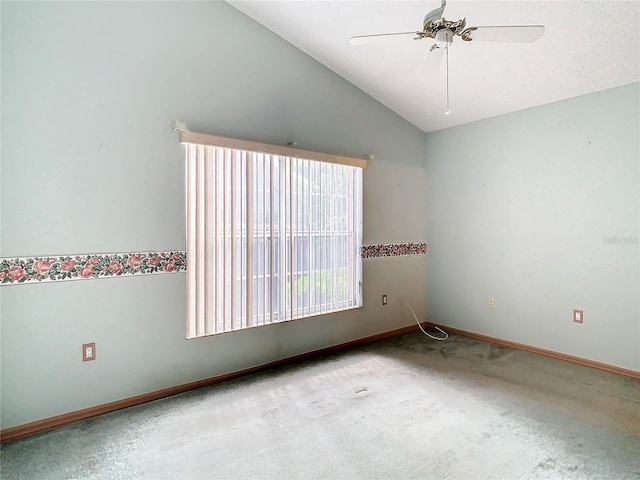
{"points": [[446, 335]]}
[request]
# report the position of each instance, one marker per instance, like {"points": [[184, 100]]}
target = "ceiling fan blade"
{"points": [[435, 14], [382, 37], [432, 61], [514, 33]]}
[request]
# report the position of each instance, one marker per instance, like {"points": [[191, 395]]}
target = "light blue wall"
{"points": [[517, 206], [540, 209], [90, 165]]}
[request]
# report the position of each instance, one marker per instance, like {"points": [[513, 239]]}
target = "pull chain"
{"points": [[447, 110]]}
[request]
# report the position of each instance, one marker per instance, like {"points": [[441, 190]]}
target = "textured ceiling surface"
{"points": [[587, 46]]}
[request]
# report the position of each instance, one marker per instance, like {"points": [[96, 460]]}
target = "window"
{"points": [[273, 234]]}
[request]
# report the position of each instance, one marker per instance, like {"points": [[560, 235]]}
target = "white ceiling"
{"points": [[587, 46]]}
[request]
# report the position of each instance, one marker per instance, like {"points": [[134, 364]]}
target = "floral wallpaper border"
{"points": [[393, 249], [81, 267]]}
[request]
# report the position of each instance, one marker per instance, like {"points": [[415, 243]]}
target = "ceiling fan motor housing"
{"points": [[433, 28]]}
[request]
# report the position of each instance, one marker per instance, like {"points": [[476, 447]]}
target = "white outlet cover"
{"points": [[88, 352]]}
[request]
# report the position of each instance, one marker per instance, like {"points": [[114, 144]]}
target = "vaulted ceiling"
{"points": [[587, 46]]}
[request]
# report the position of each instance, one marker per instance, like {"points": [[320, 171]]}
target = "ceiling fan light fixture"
{"points": [[444, 38]]}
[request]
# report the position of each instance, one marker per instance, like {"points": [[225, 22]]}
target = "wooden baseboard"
{"points": [[40, 426], [542, 351]]}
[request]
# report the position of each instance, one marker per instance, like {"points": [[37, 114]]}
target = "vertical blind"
{"points": [[270, 238]]}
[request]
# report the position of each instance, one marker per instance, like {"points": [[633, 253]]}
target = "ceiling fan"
{"points": [[443, 31]]}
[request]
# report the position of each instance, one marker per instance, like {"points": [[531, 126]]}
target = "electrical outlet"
{"points": [[384, 299], [88, 352], [492, 303], [578, 316]]}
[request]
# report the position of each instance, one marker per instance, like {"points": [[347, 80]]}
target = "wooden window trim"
{"points": [[233, 143]]}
